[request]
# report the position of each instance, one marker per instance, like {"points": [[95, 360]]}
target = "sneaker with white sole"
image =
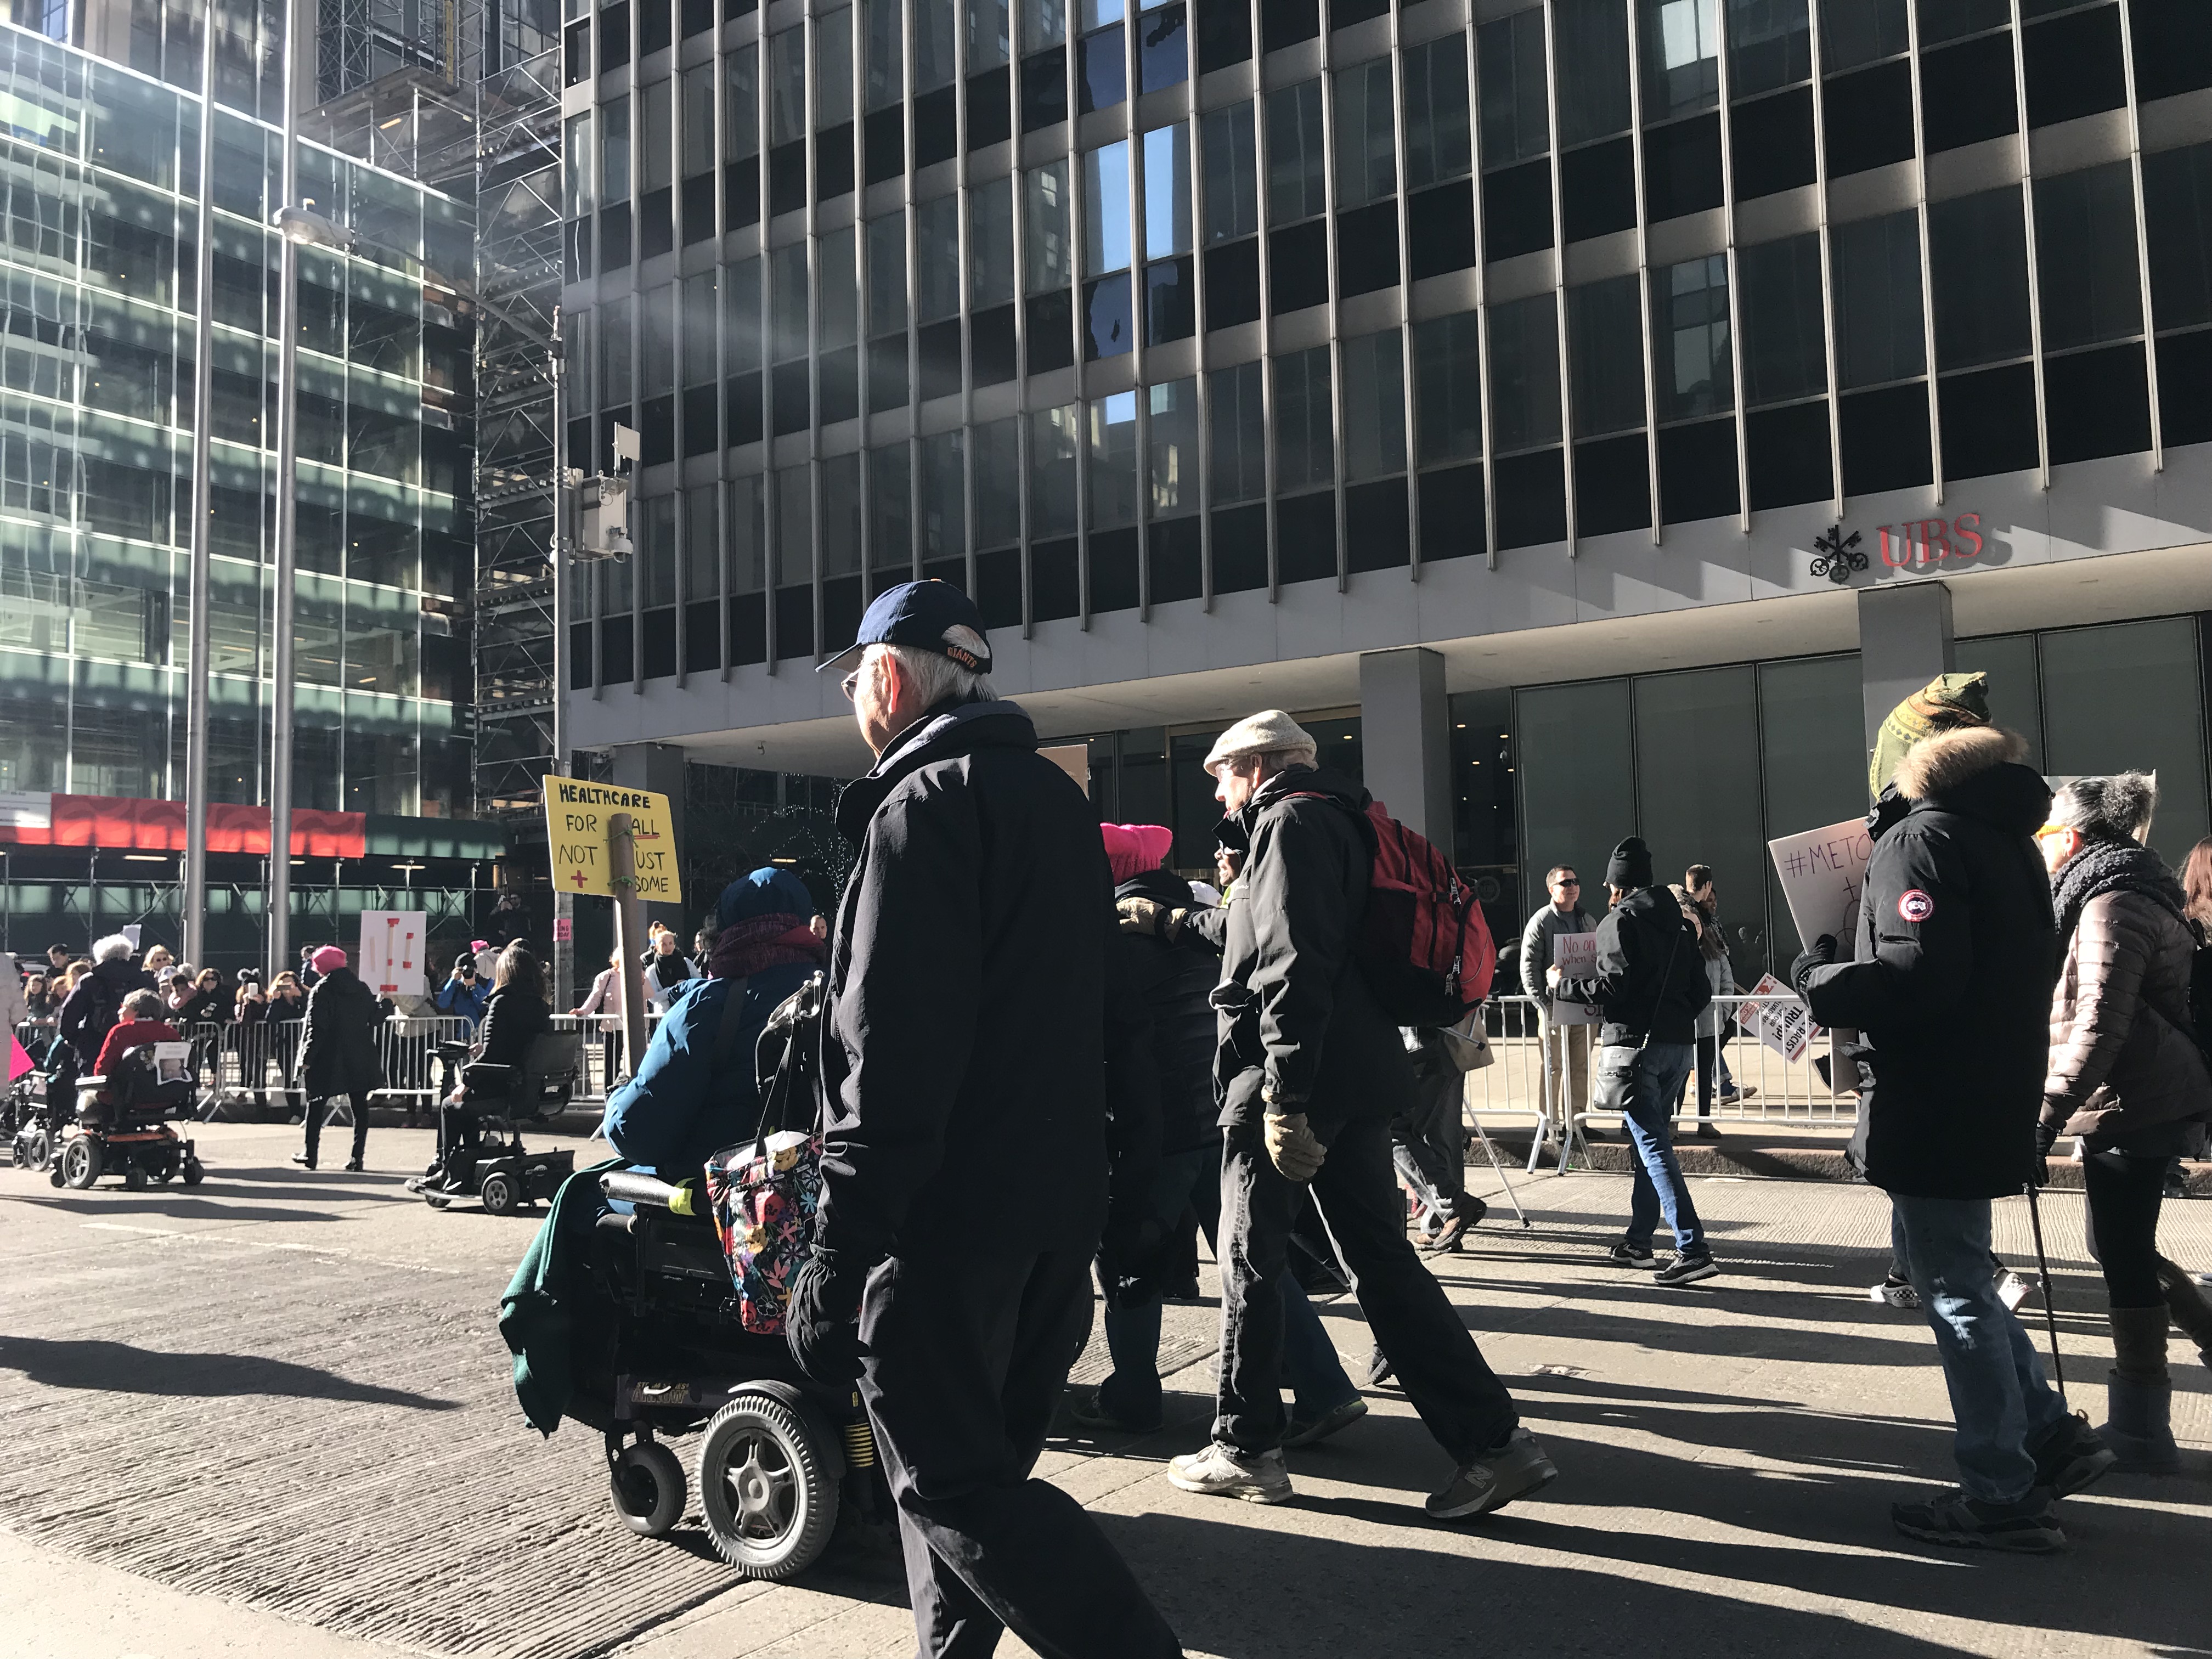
{"points": [[1495, 1479], [1686, 1270], [2028, 1526], [1221, 1471], [1892, 1294], [1629, 1255]]}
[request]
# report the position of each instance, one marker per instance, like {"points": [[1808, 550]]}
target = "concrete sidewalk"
{"points": [[272, 1416]]}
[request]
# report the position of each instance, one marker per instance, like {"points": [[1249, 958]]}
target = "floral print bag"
{"points": [[763, 1191]]}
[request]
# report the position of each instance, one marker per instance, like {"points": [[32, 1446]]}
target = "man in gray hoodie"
{"points": [[1566, 1058]]}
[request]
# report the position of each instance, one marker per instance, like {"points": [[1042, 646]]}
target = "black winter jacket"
{"points": [[963, 1044], [89, 1011], [512, 1020], [1294, 1005], [1651, 978], [1956, 954], [1165, 1039], [338, 1055]]}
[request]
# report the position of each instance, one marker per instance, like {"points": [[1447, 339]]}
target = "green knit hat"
{"points": [[1944, 704]]}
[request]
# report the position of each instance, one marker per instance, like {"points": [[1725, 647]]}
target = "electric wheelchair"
{"points": [[780, 1458], [121, 1124], [493, 1165]]}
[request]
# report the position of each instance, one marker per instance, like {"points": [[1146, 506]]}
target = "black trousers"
{"points": [[964, 1357], [1429, 1144], [2124, 1194], [319, 1113], [1460, 1399]]}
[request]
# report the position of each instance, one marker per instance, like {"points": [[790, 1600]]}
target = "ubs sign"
{"points": [[1915, 544]]}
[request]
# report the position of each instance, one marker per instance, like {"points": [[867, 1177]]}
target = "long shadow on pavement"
{"points": [[118, 1368]]}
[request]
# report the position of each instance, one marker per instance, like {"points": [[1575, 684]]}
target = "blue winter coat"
{"points": [[685, 1104]]}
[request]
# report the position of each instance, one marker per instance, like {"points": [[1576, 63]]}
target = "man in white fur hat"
{"points": [[1310, 1070]]}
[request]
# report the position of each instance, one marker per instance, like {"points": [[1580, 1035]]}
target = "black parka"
{"points": [[1166, 1036], [1294, 1005], [338, 1055], [963, 1039], [1957, 954]]}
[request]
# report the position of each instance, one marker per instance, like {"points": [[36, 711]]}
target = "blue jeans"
{"points": [[1133, 1393], [2000, 1403], [1643, 1085]]}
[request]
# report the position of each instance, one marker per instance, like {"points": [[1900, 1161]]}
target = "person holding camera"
{"points": [[464, 996]]}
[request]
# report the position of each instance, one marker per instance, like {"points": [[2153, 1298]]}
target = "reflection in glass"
{"points": [[1783, 356], [1447, 387], [1047, 253], [991, 244], [1879, 334], [1770, 45], [1054, 435], [1232, 182], [1167, 192], [833, 68], [1681, 58], [937, 258], [1113, 461], [1690, 325], [1296, 158], [944, 507], [1374, 406], [1524, 374], [787, 86], [1101, 75], [1106, 210], [1605, 347], [1239, 433], [1593, 52], [1437, 144], [1174, 442], [1366, 150], [1515, 123], [1305, 443]]}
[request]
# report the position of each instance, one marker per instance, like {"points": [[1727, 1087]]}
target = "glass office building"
{"points": [[1220, 349], [98, 167]]}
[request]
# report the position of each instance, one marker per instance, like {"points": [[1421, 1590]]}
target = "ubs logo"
{"points": [[1916, 544]]}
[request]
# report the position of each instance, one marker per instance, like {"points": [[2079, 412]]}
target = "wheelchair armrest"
{"points": [[95, 1081], [615, 1222], [632, 1187]]}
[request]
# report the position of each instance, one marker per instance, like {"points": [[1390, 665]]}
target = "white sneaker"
{"points": [[2013, 1289], [1221, 1471], [1894, 1296]]}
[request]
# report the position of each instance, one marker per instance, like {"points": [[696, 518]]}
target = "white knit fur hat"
{"points": [[1269, 730]]}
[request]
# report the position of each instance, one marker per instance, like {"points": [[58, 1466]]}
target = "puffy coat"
{"points": [[694, 1092], [1165, 1038], [339, 1054], [1957, 956], [1651, 978], [2124, 1069], [964, 1040], [1294, 1005]]}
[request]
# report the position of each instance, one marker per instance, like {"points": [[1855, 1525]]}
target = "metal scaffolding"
{"points": [[491, 135]]}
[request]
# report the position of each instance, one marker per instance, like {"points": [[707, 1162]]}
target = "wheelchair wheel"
{"points": [[499, 1194], [649, 1487], [195, 1172], [82, 1159], [134, 1180], [34, 1149], [765, 1488]]}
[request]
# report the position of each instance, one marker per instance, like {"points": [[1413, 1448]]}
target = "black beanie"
{"points": [[1630, 867]]}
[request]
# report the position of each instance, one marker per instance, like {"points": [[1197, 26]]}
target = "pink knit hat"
{"points": [[1133, 849], [328, 958]]}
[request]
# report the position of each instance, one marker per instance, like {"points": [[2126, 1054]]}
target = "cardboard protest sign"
{"points": [[1822, 872], [391, 959], [1785, 1027], [1575, 955], [576, 819]]}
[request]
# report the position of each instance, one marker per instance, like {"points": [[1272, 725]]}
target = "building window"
{"points": [[1694, 376], [1296, 157], [1516, 118], [1593, 69], [1880, 336], [1605, 348], [1782, 354], [1681, 58], [1438, 146], [1524, 373], [1771, 43], [1977, 250], [1447, 384], [2085, 246], [1374, 406], [1239, 433], [1366, 150], [1305, 446], [1232, 182]]}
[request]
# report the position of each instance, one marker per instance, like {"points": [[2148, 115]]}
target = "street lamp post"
{"points": [[197, 628], [288, 551]]}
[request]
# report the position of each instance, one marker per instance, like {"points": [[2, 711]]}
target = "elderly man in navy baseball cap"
{"points": [[964, 1154]]}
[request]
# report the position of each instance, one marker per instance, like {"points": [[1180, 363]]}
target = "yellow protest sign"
{"points": [[577, 814]]}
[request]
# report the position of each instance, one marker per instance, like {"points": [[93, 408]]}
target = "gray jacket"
{"points": [[1536, 946]]}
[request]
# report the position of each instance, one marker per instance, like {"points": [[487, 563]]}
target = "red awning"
{"points": [[112, 821]]}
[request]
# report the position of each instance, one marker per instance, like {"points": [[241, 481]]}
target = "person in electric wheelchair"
{"points": [[517, 1057], [624, 1317], [122, 1105], [695, 1090]]}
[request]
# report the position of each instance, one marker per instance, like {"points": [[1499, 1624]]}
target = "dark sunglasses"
{"points": [[1568, 881]]}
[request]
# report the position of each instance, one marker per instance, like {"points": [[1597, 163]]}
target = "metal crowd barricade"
{"points": [[416, 1074], [1529, 1075], [603, 1065]]}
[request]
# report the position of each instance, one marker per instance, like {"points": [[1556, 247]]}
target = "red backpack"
{"points": [[1423, 940]]}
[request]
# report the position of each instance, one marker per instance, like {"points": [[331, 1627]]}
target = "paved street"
{"points": [[273, 1415]]}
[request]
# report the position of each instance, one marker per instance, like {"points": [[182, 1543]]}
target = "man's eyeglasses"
{"points": [[850, 685], [1568, 881]]}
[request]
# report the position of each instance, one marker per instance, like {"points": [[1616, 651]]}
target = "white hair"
{"points": [[936, 677], [113, 948]]}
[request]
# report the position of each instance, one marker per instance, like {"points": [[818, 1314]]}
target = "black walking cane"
{"points": [[2049, 1302]]}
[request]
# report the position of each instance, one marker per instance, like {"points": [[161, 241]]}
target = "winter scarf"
{"points": [[2112, 866], [769, 941]]}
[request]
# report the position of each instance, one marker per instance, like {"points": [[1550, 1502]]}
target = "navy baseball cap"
{"points": [[917, 614]]}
